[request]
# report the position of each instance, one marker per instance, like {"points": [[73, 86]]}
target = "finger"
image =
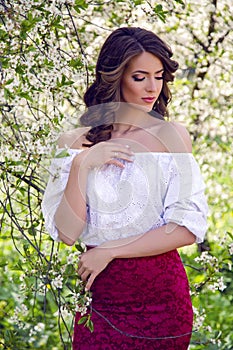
{"points": [[90, 281], [84, 275], [123, 149], [119, 147], [122, 152], [80, 270], [116, 162], [121, 156]]}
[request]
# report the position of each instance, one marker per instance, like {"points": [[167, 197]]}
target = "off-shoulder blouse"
{"points": [[157, 188]]}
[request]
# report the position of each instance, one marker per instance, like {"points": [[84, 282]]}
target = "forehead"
{"points": [[145, 61]]}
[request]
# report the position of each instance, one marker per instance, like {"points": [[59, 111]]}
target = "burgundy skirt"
{"points": [[139, 304]]}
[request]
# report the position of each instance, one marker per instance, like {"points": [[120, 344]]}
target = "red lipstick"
{"points": [[148, 99]]}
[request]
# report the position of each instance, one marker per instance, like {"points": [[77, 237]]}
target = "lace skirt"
{"points": [[139, 304]]}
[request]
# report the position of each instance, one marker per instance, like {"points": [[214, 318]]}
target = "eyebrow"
{"points": [[144, 72]]}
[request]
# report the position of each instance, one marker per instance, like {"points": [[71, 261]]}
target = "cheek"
{"points": [[127, 89], [159, 88], [161, 85], [133, 89]]}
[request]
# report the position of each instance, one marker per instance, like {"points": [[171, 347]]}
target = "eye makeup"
{"points": [[136, 78]]}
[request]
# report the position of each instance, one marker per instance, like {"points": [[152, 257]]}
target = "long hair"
{"points": [[119, 48]]}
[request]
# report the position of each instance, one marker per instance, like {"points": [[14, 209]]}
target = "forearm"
{"points": [[154, 242], [70, 217]]}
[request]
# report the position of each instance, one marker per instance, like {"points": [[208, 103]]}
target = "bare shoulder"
{"points": [[181, 131], [175, 137], [73, 138]]}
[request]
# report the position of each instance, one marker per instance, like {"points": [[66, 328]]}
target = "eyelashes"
{"points": [[135, 78]]}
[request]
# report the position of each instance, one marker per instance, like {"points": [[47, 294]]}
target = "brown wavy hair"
{"points": [[119, 48]]}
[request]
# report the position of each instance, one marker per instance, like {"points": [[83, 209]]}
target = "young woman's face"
{"points": [[142, 81]]}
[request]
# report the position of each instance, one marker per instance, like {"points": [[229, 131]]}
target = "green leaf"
{"points": [[69, 270], [48, 63], [69, 296], [158, 9], [77, 9], [30, 22], [56, 23], [180, 2], [62, 154], [90, 325], [17, 267], [80, 4], [138, 2], [9, 81], [3, 34], [75, 63], [4, 62], [230, 234], [25, 95], [82, 320], [8, 94], [64, 82], [3, 263], [20, 69], [26, 247], [79, 247], [32, 231]]}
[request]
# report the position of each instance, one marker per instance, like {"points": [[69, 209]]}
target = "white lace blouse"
{"points": [[157, 188]]}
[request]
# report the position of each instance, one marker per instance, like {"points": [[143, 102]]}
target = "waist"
{"points": [[95, 234]]}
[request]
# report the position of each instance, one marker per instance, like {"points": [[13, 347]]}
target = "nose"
{"points": [[151, 85]]}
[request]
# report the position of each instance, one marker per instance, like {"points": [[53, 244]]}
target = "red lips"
{"points": [[148, 99]]}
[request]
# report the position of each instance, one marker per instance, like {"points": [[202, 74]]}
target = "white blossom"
{"points": [[39, 327], [231, 248], [206, 258], [57, 282], [199, 318]]}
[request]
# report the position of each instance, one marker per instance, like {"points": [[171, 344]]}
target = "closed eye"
{"points": [[135, 78]]}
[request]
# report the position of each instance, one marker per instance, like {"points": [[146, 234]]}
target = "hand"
{"points": [[93, 262], [104, 153]]}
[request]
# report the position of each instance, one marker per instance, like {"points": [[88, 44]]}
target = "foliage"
{"points": [[43, 284], [47, 56]]}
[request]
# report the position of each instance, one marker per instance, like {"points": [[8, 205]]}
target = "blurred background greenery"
{"points": [[48, 51]]}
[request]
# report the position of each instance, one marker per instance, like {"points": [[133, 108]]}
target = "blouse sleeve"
{"points": [[59, 172], [185, 202]]}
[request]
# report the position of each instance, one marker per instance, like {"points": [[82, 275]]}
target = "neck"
{"points": [[129, 118], [124, 128]]}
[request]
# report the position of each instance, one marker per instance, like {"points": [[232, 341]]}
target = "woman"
{"points": [[132, 191]]}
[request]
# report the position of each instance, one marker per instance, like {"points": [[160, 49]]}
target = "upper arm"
{"points": [[65, 239], [175, 138], [184, 136], [73, 138]]}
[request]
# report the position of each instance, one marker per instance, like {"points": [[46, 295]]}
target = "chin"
{"points": [[144, 108]]}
